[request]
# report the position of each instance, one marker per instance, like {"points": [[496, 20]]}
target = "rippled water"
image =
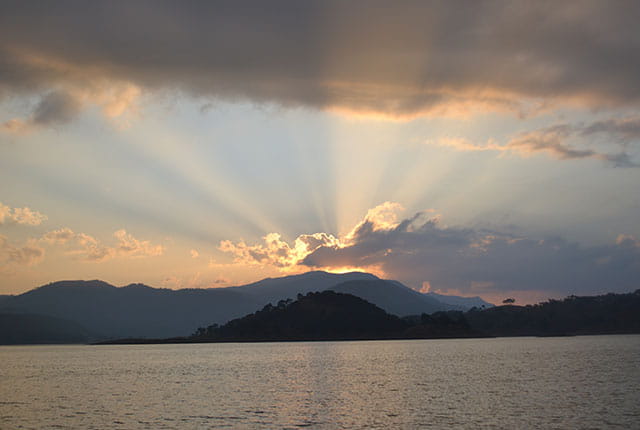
{"points": [[577, 382]]}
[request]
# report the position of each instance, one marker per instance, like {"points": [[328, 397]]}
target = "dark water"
{"points": [[577, 382]]}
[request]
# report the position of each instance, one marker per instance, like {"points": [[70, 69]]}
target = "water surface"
{"points": [[574, 382]]}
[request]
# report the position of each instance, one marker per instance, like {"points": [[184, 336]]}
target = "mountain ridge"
{"points": [[139, 310]]}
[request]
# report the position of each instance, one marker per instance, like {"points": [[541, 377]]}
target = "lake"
{"points": [[561, 382]]}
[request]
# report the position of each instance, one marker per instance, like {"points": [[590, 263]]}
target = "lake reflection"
{"points": [[578, 382]]}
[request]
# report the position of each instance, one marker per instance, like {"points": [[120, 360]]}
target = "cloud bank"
{"points": [[398, 59], [421, 251]]}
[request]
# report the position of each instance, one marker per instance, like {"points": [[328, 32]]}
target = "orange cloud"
{"points": [[276, 252], [88, 248], [24, 216], [288, 257], [12, 255]]}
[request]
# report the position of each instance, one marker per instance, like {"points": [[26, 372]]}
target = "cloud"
{"points": [[55, 107], [624, 130], [61, 106], [276, 252], [130, 246], [194, 253], [419, 250], [564, 141], [24, 216], [194, 281], [12, 255], [88, 248], [395, 59], [627, 241], [381, 217], [550, 140], [60, 236], [422, 253]]}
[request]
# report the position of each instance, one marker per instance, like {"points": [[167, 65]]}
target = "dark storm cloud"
{"points": [[397, 58], [419, 250]]}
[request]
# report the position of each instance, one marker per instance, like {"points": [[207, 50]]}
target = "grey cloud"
{"points": [[550, 140], [555, 140], [420, 250], [55, 107], [625, 130], [398, 58], [621, 159], [566, 141]]}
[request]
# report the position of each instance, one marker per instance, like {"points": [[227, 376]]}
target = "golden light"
{"points": [[374, 270]]}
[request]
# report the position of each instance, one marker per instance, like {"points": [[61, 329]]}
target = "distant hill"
{"points": [[393, 297], [328, 315], [138, 310], [33, 329]]}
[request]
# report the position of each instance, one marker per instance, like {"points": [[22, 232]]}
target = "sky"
{"points": [[474, 148]]}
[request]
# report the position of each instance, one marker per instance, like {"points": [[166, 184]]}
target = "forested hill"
{"points": [[605, 314], [329, 315]]}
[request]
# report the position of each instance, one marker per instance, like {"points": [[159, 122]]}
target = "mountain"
{"points": [[463, 303], [138, 310], [16, 329], [271, 290], [392, 296], [134, 310]]}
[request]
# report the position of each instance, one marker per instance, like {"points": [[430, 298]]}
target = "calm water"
{"points": [[579, 382]]}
